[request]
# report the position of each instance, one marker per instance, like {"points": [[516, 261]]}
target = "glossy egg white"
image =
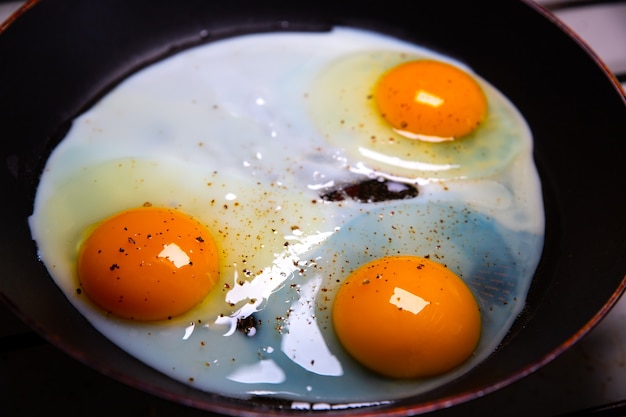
{"points": [[234, 133]]}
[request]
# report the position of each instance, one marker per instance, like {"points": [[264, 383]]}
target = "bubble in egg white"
{"points": [[232, 133]]}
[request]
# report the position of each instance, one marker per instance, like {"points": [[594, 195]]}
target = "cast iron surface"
{"points": [[60, 56]]}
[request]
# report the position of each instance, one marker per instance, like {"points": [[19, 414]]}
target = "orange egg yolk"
{"points": [[148, 264], [430, 100], [406, 317]]}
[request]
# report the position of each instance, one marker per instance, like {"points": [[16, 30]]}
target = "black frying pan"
{"points": [[59, 56]]}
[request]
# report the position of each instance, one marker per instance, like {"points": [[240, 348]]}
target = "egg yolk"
{"points": [[148, 263], [430, 100], [406, 317]]}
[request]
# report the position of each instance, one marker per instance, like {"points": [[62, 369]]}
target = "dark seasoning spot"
{"points": [[248, 325], [371, 191]]}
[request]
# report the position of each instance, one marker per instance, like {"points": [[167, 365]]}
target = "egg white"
{"points": [[224, 132]]}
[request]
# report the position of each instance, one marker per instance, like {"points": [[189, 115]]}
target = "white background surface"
{"points": [[591, 373]]}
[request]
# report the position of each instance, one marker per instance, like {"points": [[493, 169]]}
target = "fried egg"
{"points": [[344, 108], [296, 182]]}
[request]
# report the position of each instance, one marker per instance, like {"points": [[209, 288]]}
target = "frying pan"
{"points": [[58, 57]]}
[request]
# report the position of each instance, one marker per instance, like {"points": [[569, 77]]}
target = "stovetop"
{"points": [[588, 379]]}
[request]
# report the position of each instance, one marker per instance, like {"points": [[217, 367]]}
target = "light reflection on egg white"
{"points": [[188, 331], [304, 343], [398, 162], [316, 187], [425, 138], [271, 279], [302, 405], [361, 169], [264, 371], [231, 322]]}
